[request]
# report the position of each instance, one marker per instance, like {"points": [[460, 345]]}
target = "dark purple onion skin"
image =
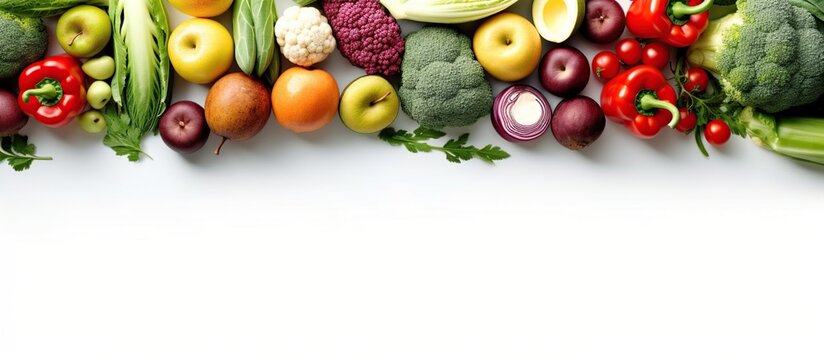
{"points": [[12, 119], [564, 71], [183, 127], [578, 122], [501, 116], [604, 21]]}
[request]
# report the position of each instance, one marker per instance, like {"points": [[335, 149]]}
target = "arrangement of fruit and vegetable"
{"points": [[713, 68]]}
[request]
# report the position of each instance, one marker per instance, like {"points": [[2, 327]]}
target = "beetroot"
{"points": [[578, 122], [12, 118], [367, 36]]}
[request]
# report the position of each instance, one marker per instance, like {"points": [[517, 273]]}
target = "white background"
{"points": [[334, 245]]}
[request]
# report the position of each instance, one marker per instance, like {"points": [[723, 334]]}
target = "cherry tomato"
{"points": [[688, 120], [697, 80], [605, 65], [656, 54], [629, 51], [717, 132]]}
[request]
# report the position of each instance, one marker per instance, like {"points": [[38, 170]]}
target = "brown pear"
{"points": [[237, 107]]}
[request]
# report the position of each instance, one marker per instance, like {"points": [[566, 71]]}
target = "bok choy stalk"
{"points": [[273, 72], [243, 29], [445, 11], [140, 87], [797, 137], [42, 8], [253, 24], [264, 34]]}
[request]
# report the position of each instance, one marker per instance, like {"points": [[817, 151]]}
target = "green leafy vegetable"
{"points": [[243, 25], [18, 153], [42, 8], [304, 2], [273, 72], [456, 150], [140, 87], [253, 22], [266, 14]]}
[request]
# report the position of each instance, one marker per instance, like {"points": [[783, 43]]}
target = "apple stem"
{"points": [[75, 38], [382, 98], [220, 146]]}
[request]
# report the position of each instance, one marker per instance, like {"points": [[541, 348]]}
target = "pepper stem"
{"points": [[650, 102], [680, 9], [47, 91]]}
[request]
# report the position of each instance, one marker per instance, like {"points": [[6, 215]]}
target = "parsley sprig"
{"points": [[16, 151], [456, 150], [121, 137]]}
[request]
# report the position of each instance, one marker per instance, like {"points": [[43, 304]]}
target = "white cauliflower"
{"points": [[304, 36]]}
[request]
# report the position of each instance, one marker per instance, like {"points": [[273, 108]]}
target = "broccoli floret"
{"points": [[22, 42], [767, 55], [442, 85]]}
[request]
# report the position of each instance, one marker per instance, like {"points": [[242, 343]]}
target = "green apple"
{"points": [[100, 68], [369, 104], [98, 94], [92, 121], [83, 31], [508, 46]]}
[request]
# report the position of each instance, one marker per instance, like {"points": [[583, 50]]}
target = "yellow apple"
{"points": [[202, 8], [201, 50], [508, 46]]}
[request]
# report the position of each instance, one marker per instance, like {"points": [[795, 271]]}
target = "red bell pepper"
{"points": [[672, 21], [642, 100], [52, 91]]}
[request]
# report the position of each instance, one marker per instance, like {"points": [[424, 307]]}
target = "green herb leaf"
{"points": [[492, 153], [121, 137], [16, 151], [456, 150], [422, 133]]}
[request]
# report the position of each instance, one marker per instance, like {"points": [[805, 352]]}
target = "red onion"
{"points": [[521, 113]]}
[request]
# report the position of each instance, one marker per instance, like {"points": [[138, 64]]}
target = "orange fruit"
{"points": [[305, 100]]}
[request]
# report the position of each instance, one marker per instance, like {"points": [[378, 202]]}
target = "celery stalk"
{"points": [[797, 137]]}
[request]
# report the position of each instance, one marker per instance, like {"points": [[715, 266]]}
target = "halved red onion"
{"points": [[521, 113]]}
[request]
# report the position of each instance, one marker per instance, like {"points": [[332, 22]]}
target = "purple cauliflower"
{"points": [[366, 35]]}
